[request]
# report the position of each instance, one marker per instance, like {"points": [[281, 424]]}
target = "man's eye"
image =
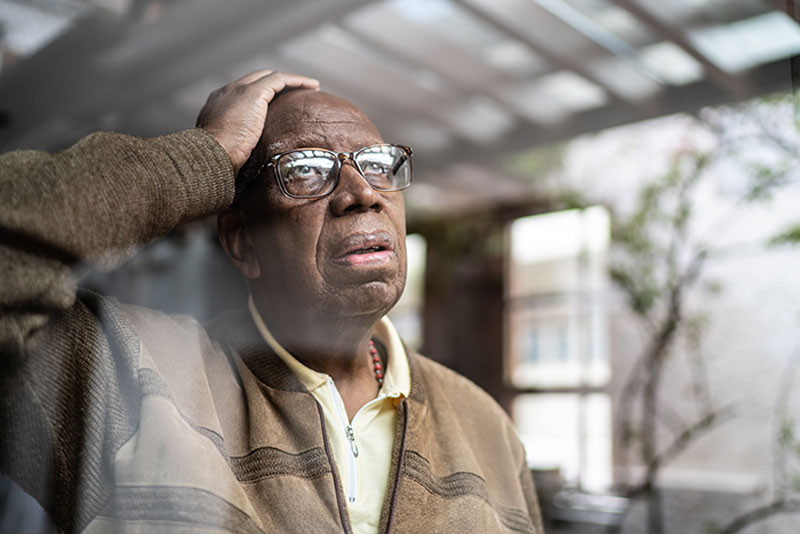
{"points": [[304, 171], [375, 167]]}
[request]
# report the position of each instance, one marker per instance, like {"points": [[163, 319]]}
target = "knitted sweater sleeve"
{"points": [[94, 203], [68, 361]]}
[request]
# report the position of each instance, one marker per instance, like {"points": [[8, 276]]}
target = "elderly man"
{"points": [[303, 412]]}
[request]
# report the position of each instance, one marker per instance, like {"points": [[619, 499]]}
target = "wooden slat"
{"points": [[127, 66], [723, 79], [561, 60], [381, 27], [392, 119], [378, 78], [790, 7], [765, 79]]}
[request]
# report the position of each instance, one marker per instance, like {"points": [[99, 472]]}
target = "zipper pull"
{"points": [[352, 437]]}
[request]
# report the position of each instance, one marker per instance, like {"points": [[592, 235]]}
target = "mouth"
{"points": [[364, 250], [368, 250]]}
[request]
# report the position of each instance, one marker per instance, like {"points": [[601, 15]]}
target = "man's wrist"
{"points": [[204, 170], [231, 146]]}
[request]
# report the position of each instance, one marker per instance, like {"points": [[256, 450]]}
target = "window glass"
{"points": [[569, 432], [407, 314]]}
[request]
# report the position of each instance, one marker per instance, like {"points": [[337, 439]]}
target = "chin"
{"points": [[371, 298]]}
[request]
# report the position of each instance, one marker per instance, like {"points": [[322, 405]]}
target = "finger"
{"points": [[253, 76], [278, 81]]}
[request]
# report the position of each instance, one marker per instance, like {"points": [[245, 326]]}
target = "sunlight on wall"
{"points": [[407, 314]]}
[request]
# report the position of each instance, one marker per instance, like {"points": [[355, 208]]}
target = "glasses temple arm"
{"points": [[399, 164]]}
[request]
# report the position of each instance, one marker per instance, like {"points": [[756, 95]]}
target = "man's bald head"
{"points": [[307, 117]]}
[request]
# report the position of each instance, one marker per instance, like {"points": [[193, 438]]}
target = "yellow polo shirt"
{"points": [[362, 448]]}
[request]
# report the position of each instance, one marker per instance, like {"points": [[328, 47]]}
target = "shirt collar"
{"points": [[396, 379]]}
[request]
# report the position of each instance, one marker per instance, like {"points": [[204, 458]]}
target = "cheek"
{"points": [[397, 207], [287, 247], [403, 272], [398, 213], [398, 217]]}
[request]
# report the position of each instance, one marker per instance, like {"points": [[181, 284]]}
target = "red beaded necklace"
{"points": [[376, 363]]}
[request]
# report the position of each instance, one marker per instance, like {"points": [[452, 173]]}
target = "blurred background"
{"points": [[604, 223]]}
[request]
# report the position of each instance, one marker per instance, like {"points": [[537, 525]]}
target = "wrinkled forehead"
{"points": [[303, 118]]}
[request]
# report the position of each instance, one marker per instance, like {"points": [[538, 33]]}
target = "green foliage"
{"points": [[788, 440], [656, 265], [789, 236], [648, 240], [712, 287], [640, 287], [629, 434], [537, 163], [764, 180], [695, 326], [570, 199], [786, 437]]}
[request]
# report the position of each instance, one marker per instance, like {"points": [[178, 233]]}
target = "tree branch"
{"points": [[677, 446], [671, 419], [700, 381], [779, 465], [791, 506]]}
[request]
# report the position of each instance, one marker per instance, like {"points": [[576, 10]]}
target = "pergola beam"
{"points": [[790, 7], [119, 66], [559, 60], [765, 79], [404, 42], [723, 79]]}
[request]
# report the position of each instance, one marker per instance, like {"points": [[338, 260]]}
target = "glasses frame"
{"points": [[341, 159]]}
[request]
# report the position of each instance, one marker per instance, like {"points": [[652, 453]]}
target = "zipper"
{"points": [[352, 447], [350, 436]]}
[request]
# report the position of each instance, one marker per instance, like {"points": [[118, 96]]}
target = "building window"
{"points": [[556, 342]]}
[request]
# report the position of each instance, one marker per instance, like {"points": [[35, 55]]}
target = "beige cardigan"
{"points": [[119, 418]]}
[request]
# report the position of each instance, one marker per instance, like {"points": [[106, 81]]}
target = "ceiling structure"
{"points": [[462, 81]]}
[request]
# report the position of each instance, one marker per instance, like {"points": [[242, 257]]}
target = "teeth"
{"points": [[368, 249]]}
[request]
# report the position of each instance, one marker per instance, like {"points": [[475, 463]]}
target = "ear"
{"points": [[237, 242]]}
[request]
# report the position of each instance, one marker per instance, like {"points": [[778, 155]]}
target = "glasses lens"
{"points": [[307, 173], [386, 167]]}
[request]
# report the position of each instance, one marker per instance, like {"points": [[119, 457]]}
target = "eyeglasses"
{"points": [[314, 172]]}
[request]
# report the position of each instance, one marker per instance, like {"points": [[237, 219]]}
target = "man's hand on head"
{"points": [[235, 114]]}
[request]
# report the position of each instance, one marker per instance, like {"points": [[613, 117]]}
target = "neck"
{"points": [[344, 360], [338, 347]]}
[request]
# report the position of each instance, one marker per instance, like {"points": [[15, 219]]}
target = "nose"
{"points": [[353, 193]]}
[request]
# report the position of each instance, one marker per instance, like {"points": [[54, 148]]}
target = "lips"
{"points": [[364, 249]]}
